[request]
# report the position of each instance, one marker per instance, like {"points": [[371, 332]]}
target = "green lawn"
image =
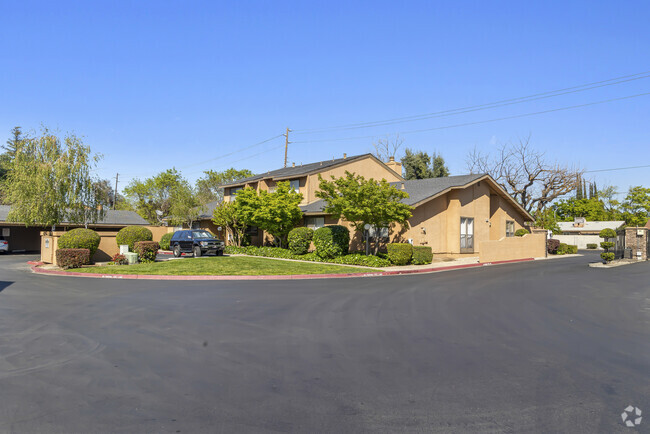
{"points": [[223, 266]]}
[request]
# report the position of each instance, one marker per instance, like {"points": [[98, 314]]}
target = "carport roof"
{"points": [[111, 217]]}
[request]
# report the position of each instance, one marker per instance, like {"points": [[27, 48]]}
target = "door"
{"points": [[186, 241], [466, 235]]}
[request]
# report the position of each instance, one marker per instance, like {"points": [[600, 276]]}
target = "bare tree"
{"points": [[525, 173], [387, 148]]}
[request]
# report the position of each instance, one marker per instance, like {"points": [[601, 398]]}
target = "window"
{"points": [[315, 222], [233, 192], [294, 184], [382, 233], [466, 235], [510, 228]]}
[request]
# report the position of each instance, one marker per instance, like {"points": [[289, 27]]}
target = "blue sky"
{"points": [[156, 84]]}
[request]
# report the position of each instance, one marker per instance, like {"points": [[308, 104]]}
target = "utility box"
{"points": [[124, 249], [131, 257]]}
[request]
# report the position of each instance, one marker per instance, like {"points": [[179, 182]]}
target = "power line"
{"points": [[465, 124], [247, 158], [496, 104], [618, 168]]}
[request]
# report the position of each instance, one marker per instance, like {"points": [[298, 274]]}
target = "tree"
{"points": [[385, 149], [546, 219], [439, 169], [228, 215], [105, 193], [151, 198], [419, 165], [591, 209], [209, 186], [185, 205], [525, 174], [50, 182], [636, 206], [364, 201], [277, 212], [607, 196]]}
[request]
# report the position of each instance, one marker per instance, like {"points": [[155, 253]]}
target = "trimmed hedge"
{"points": [[607, 256], [146, 250], [331, 241], [164, 241], [80, 238], [552, 246], [592, 246], [131, 235], [277, 252], [607, 233], [72, 258], [299, 240], [567, 249], [400, 253], [422, 255], [521, 232], [607, 245]]}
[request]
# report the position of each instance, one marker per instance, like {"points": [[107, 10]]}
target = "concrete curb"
{"points": [[36, 269]]}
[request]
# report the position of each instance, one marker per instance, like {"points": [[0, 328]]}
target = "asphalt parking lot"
{"points": [[544, 346]]}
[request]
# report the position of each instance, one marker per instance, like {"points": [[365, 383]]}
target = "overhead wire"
{"points": [[486, 106]]}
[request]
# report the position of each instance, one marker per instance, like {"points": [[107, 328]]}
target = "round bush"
{"points": [[607, 256], [607, 233], [299, 240], [400, 253], [422, 255], [331, 241], [164, 241], [131, 235], [521, 232], [80, 238]]}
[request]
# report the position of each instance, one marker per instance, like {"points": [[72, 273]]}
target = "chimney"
{"points": [[396, 166], [293, 164], [402, 186], [345, 155]]}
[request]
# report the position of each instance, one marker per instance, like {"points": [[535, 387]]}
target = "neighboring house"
{"points": [[23, 238], [580, 232], [453, 215]]}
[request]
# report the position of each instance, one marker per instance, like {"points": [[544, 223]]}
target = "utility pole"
{"points": [[286, 145], [117, 175]]}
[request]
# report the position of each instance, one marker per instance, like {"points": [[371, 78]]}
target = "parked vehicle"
{"points": [[4, 245], [195, 241]]}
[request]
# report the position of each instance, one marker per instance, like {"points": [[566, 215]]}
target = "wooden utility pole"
{"points": [[117, 175], [286, 145]]}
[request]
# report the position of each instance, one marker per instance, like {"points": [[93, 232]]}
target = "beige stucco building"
{"points": [[453, 215]]}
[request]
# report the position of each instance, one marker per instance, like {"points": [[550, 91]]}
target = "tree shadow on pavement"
{"points": [[3, 285]]}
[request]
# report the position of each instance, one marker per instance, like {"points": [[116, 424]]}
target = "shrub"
{"points": [[164, 241], [400, 253], [72, 258], [562, 249], [131, 235], [331, 241], [552, 245], [80, 238], [572, 249], [146, 250], [422, 255], [119, 259], [607, 233], [606, 245], [607, 256], [277, 252], [592, 246], [521, 232], [299, 240]]}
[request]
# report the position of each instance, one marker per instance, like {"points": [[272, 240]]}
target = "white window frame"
{"points": [[314, 222], [510, 224], [466, 234], [294, 185]]}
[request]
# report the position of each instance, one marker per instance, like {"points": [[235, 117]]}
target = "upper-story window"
{"points": [[233, 192], [294, 184]]}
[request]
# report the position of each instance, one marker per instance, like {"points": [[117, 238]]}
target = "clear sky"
{"points": [[156, 84]]}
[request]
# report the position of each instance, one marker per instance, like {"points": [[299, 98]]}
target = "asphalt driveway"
{"points": [[545, 346]]}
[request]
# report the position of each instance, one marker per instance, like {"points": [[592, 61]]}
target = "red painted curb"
{"points": [[35, 269], [35, 262]]}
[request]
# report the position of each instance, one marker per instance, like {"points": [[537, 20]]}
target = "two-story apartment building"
{"points": [[453, 215]]}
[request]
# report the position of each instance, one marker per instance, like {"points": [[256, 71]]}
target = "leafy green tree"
{"points": [[419, 165], [591, 209], [229, 216], [636, 206], [612, 206], [546, 219], [209, 186], [276, 213], [152, 198], [185, 205], [364, 201], [50, 182]]}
